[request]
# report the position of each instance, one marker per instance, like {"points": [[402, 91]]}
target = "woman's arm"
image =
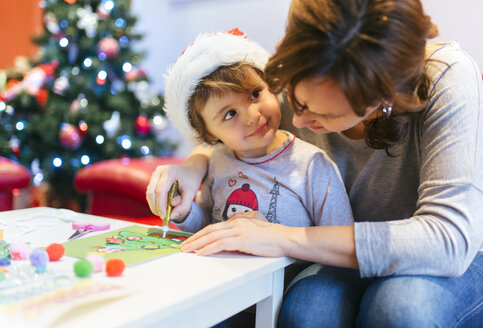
{"points": [[189, 175], [332, 245]]}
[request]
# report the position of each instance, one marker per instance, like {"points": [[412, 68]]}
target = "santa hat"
{"points": [[206, 54]]}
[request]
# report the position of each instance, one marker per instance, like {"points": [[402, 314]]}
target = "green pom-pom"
{"points": [[2, 276], [83, 268]]}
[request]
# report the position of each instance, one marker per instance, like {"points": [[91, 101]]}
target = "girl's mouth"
{"points": [[260, 131]]}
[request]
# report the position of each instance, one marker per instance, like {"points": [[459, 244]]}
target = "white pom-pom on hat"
{"points": [[207, 53]]}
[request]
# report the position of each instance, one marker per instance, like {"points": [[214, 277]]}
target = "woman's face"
{"points": [[323, 107]]}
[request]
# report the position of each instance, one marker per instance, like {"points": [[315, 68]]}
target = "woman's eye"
{"points": [[229, 115], [255, 95]]}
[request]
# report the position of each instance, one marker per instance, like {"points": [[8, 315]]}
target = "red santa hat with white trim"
{"points": [[206, 54]]}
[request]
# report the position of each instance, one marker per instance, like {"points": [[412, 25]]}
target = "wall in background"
{"points": [[170, 25], [461, 21], [19, 22]]}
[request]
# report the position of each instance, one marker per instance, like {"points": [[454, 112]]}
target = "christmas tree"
{"points": [[85, 99]]}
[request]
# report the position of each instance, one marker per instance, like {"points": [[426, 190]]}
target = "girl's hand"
{"points": [[248, 233], [189, 176], [161, 181]]}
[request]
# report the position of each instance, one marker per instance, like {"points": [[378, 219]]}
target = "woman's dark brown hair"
{"points": [[374, 50]]}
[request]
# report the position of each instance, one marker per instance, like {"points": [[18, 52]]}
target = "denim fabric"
{"points": [[325, 296]]}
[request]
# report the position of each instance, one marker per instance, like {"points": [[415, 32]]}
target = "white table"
{"points": [[198, 291]]}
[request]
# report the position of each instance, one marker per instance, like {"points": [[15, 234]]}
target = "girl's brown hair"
{"points": [[374, 50], [238, 78]]}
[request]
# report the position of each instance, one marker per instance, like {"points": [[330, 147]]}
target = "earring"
{"points": [[386, 111]]}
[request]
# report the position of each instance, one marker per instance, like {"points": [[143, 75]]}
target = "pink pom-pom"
{"points": [[97, 261], [19, 251]]}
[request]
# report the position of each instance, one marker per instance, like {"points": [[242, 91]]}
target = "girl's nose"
{"points": [[253, 114]]}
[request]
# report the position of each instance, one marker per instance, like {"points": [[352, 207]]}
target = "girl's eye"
{"points": [[255, 95], [229, 115]]}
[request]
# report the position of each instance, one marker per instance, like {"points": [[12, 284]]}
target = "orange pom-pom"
{"points": [[55, 251], [115, 267]]}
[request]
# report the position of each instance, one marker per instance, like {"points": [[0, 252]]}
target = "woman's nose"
{"points": [[300, 120]]}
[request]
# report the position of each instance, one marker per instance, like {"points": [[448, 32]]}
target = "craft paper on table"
{"points": [[40, 300], [134, 244]]}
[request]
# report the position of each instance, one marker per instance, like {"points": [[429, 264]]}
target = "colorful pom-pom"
{"points": [[97, 261], [115, 267], [4, 262], [55, 251], [19, 251], [38, 257], [83, 268], [2, 276]]}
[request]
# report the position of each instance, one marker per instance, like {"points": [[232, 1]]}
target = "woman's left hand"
{"points": [[248, 233]]}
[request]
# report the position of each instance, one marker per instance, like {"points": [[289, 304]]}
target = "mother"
{"points": [[402, 120]]}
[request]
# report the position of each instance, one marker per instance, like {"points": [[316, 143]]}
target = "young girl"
{"points": [[215, 93]]}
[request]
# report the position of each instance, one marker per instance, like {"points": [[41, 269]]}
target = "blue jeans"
{"points": [[324, 296]]}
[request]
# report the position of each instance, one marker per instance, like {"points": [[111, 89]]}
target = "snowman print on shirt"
{"points": [[240, 201]]}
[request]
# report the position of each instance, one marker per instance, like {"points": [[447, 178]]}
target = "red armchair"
{"points": [[12, 176], [117, 188]]}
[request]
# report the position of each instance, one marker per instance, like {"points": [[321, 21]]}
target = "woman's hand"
{"points": [[248, 233]]}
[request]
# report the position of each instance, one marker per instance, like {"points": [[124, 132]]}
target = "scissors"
{"points": [[82, 229]]}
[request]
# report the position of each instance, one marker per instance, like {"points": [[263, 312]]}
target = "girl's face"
{"points": [[323, 107], [246, 123]]}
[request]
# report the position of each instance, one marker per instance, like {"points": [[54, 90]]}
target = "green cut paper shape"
{"points": [[138, 243]]}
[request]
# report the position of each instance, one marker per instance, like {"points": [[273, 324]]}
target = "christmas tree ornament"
{"points": [[69, 136], [87, 20], [51, 23], [71, 2], [72, 53], [142, 125], [14, 144], [60, 85], [104, 9], [42, 96], [109, 46], [74, 107], [32, 81], [112, 125]]}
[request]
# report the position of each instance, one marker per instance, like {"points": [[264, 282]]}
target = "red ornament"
{"points": [[142, 125], [42, 98], [115, 267], [55, 251], [109, 46], [69, 136]]}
